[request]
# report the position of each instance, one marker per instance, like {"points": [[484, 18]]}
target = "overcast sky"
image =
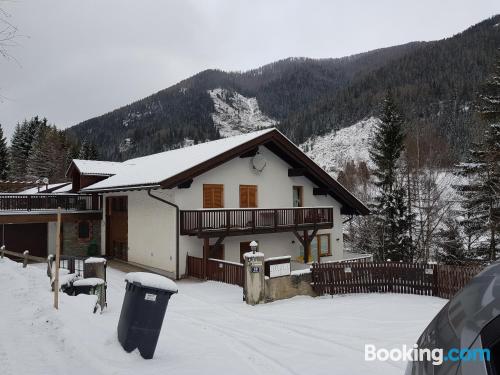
{"points": [[82, 58]]}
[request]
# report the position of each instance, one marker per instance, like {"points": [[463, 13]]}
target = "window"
{"points": [[298, 196], [320, 246], [213, 196], [83, 230], [248, 196]]}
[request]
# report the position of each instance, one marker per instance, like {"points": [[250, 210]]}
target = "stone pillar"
{"points": [[254, 278], [94, 267]]}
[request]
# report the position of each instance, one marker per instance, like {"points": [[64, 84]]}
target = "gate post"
{"points": [[254, 283]]}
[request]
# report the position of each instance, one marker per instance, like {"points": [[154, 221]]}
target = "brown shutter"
{"points": [[248, 196], [252, 196], [213, 196]]}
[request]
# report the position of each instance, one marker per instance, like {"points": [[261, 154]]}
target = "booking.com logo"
{"points": [[435, 356]]}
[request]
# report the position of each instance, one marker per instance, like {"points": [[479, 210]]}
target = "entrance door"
{"points": [[117, 227]]}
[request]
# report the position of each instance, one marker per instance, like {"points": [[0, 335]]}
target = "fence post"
{"points": [[58, 257], [2, 251], [25, 261], [435, 281]]}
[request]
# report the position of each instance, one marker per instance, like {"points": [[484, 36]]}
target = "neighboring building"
{"points": [[28, 219], [211, 199]]}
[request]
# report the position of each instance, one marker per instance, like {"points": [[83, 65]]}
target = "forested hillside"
{"points": [[433, 83]]}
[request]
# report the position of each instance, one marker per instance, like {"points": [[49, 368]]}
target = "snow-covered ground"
{"points": [[334, 149], [208, 329], [236, 114]]}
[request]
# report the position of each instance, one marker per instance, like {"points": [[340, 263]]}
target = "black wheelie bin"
{"points": [[143, 310]]}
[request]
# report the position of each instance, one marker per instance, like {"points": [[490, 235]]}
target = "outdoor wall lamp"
{"points": [[253, 246]]}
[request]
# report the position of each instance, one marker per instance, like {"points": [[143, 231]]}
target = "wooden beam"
{"points": [[33, 217], [320, 191], [206, 249], [219, 241], [250, 154], [299, 237], [306, 246], [186, 184], [294, 172]]}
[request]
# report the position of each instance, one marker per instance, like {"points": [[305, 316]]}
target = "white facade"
{"points": [[152, 227]]}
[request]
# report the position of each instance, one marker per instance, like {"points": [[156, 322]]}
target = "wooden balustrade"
{"points": [[259, 220], [42, 202]]}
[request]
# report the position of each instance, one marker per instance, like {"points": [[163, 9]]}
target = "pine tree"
{"points": [[37, 166], [392, 216], [21, 144], [4, 157], [451, 248], [481, 193]]}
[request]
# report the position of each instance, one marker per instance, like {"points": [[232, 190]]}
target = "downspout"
{"points": [[176, 230]]}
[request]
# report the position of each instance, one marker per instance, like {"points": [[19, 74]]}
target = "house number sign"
{"points": [[280, 269]]}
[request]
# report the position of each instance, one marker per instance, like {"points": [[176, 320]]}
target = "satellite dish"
{"points": [[259, 163]]}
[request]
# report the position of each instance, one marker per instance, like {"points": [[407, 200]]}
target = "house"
{"points": [[28, 220], [211, 200]]}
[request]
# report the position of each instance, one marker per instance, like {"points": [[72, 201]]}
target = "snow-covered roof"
{"points": [[51, 188], [64, 189], [153, 169], [171, 168], [97, 167]]}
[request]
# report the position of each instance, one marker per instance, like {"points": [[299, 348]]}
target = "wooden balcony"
{"points": [[234, 222], [48, 202]]}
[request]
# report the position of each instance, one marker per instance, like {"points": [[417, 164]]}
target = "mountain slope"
{"points": [[334, 149], [434, 84]]}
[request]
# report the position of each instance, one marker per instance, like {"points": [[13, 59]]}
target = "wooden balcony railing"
{"points": [[43, 202], [254, 220]]}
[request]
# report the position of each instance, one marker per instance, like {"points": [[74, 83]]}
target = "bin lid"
{"points": [[91, 281], [95, 260], [151, 280]]}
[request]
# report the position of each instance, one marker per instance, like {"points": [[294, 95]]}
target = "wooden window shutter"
{"points": [[213, 196], [248, 196]]}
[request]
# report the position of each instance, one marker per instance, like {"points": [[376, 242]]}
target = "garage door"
{"points": [[31, 237]]}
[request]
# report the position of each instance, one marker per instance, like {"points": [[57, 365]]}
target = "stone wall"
{"points": [[288, 287], [72, 245]]}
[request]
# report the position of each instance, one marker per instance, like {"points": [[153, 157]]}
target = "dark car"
{"points": [[467, 330]]}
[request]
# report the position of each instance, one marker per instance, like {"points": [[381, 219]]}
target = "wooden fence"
{"points": [[226, 272], [411, 278], [217, 270], [194, 267]]}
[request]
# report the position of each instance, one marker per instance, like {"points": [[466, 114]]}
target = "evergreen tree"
{"points": [[37, 166], [451, 249], [391, 211], [481, 193], [4, 157], [21, 144]]}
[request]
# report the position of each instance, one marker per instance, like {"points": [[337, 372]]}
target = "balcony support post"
{"points": [[206, 248]]}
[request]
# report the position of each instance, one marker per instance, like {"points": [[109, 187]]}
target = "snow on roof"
{"points": [[59, 187], [97, 167], [152, 169], [65, 189], [151, 280]]}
